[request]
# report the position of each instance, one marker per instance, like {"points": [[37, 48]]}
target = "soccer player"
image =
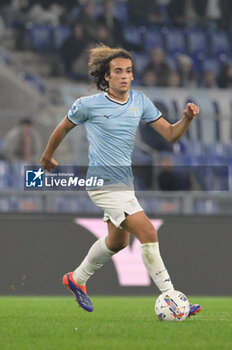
{"points": [[111, 118]]}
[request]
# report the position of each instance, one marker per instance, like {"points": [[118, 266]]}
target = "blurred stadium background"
{"points": [[183, 52]]}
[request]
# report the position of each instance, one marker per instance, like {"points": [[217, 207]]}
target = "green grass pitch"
{"points": [[57, 323]]}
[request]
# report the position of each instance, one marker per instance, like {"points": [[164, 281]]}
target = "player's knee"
{"points": [[120, 246], [149, 235]]}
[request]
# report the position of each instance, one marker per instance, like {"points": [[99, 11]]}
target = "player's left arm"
{"points": [[173, 132]]}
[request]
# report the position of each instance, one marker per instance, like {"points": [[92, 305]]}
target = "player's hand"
{"points": [[191, 111], [48, 164]]}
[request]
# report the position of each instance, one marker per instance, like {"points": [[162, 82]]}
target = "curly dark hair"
{"points": [[99, 64]]}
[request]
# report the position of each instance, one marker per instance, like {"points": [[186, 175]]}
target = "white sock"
{"points": [[155, 266], [94, 260]]}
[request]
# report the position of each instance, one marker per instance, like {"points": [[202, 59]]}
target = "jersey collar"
{"points": [[111, 99]]}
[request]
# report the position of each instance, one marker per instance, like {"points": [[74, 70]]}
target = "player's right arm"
{"points": [[47, 162]]}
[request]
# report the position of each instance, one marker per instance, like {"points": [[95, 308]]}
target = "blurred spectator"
{"points": [[23, 143], [196, 11], [87, 18], [104, 36], [188, 77], [72, 47], [174, 79], [14, 12], [149, 78], [145, 12], [162, 6], [226, 14], [225, 76], [176, 11], [80, 65], [158, 65], [95, 27], [209, 79], [45, 12], [115, 37], [15, 15], [2, 27], [113, 25], [213, 12], [67, 12], [203, 12], [171, 180]]}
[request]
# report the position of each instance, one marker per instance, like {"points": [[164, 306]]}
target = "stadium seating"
{"points": [[34, 81], [4, 175], [219, 42], [121, 12], [194, 159], [197, 42], [5, 204], [60, 33], [172, 62], [141, 59], [39, 37], [218, 154], [133, 35], [211, 64], [205, 206], [1, 147], [16, 175], [175, 42], [76, 205], [4, 58], [197, 60], [140, 158], [45, 38], [153, 38]]}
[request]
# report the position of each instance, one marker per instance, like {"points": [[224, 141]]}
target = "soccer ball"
{"points": [[172, 306]]}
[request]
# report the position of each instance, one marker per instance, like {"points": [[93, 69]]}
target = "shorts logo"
{"points": [[132, 203], [34, 178]]}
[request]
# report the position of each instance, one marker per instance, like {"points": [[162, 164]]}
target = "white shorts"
{"points": [[117, 205]]}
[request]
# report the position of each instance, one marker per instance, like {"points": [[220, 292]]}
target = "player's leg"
{"points": [[140, 226], [100, 252], [117, 238]]}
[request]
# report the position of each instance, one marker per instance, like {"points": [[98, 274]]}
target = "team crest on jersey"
{"points": [[134, 109], [73, 110]]}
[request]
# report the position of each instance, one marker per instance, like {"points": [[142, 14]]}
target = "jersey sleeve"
{"points": [[78, 113], [150, 112]]}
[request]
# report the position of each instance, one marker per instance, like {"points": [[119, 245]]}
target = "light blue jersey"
{"points": [[111, 128]]}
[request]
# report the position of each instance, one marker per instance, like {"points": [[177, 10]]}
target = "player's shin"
{"points": [[155, 266], [95, 259]]}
